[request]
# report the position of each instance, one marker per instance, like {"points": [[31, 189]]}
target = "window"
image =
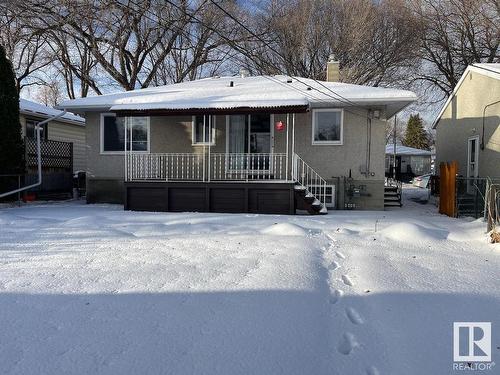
{"points": [[327, 126], [327, 192], [138, 133], [30, 130], [113, 133], [198, 122]]}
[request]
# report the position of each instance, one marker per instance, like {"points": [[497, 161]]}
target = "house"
{"points": [[410, 162], [62, 146], [468, 125], [269, 144]]}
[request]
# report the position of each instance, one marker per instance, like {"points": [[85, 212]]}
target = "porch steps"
{"points": [[392, 196], [469, 205], [306, 201]]}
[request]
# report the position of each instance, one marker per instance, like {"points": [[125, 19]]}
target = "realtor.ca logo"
{"points": [[472, 346]]}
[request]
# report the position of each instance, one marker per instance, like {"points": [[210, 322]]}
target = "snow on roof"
{"points": [[493, 67], [491, 70], [404, 150], [249, 92], [27, 107]]}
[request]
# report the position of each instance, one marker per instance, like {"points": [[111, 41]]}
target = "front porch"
{"points": [[220, 163], [223, 182]]}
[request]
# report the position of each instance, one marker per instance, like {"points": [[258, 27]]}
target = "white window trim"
{"points": [[476, 138], [101, 137], [214, 133], [332, 204], [328, 143]]}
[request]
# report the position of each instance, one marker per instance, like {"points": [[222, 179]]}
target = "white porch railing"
{"points": [[164, 167], [197, 167], [308, 178], [262, 167], [247, 167]]}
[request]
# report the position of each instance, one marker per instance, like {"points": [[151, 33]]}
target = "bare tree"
{"points": [[25, 47], [456, 33], [127, 39], [50, 93], [374, 41], [75, 63], [203, 48]]}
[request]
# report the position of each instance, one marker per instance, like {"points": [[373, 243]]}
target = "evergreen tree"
{"points": [[415, 135], [11, 142]]}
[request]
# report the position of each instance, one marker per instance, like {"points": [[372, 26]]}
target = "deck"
{"points": [[222, 182]]}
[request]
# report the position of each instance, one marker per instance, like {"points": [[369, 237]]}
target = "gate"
{"points": [[447, 188]]}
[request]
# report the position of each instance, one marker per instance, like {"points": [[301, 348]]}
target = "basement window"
{"points": [[327, 126], [113, 134], [203, 130]]}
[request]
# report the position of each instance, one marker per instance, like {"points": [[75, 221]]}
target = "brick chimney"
{"points": [[332, 69]]}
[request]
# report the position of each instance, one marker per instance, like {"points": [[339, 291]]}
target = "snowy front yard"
{"points": [[91, 289]]}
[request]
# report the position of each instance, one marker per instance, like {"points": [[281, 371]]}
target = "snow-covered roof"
{"points": [[491, 70], [27, 107], [404, 150], [493, 67], [256, 92]]}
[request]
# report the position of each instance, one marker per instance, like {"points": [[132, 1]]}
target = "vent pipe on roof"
{"points": [[244, 73], [332, 69], [231, 84]]}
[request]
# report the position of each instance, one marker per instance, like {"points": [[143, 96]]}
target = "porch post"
{"points": [[287, 125], [125, 150], [209, 144], [204, 145], [293, 146]]}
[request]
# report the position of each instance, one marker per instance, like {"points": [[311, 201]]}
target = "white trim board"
{"points": [[471, 68]]}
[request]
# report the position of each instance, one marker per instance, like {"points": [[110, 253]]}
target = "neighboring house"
{"points": [[62, 146], [69, 128], [269, 144], [468, 126], [410, 162]]}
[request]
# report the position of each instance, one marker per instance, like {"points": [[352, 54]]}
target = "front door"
{"points": [[472, 162], [249, 141]]}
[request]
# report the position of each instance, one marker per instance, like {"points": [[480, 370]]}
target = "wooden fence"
{"points": [[447, 188]]}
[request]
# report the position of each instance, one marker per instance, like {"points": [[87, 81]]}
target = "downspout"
{"points": [[287, 151], [39, 157], [125, 149], [368, 145], [394, 151], [294, 170], [484, 116]]}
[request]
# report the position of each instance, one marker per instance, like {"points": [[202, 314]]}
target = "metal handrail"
{"points": [[304, 175]]}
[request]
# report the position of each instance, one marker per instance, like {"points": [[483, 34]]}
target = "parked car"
{"points": [[422, 181]]}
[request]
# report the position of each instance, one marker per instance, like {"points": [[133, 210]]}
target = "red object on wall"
{"points": [[280, 126]]}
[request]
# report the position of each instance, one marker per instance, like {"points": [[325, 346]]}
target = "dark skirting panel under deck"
{"points": [[228, 197]]}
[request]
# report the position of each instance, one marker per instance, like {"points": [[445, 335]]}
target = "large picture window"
{"points": [[113, 133], [327, 127], [198, 122]]}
